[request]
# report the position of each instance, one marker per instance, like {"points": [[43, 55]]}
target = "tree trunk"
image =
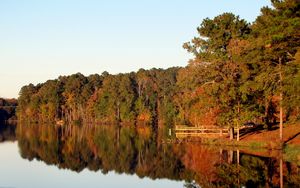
{"points": [[266, 119], [281, 172], [280, 102], [118, 115], [238, 124], [281, 118], [140, 88], [238, 134]]}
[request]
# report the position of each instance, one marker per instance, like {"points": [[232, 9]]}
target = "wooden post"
{"points": [[230, 156], [231, 133]]}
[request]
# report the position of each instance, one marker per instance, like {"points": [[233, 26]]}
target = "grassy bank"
{"points": [[262, 143]]}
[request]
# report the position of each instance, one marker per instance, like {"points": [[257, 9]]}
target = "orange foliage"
{"points": [[144, 116], [201, 160], [200, 113]]}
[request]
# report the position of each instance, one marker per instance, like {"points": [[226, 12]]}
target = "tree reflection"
{"points": [[7, 132], [136, 150], [105, 148]]}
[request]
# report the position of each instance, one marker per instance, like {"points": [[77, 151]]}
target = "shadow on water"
{"points": [[4, 115], [7, 132], [138, 151]]}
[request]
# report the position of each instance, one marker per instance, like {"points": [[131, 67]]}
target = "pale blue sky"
{"points": [[40, 40]]}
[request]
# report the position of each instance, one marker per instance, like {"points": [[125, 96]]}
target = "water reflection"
{"points": [[7, 132], [143, 152], [105, 148]]}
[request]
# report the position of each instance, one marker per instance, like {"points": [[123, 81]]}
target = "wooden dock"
{"points": [[182, 131]]}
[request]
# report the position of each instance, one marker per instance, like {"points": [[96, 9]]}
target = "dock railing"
{"points": [[200, 131]]}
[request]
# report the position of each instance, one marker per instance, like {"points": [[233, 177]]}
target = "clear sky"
{"points": [[40, 40]]}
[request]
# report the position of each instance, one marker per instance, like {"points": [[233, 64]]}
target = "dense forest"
{"points": [[8, 109], [241, 73]]}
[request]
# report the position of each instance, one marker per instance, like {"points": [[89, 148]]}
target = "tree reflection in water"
{"points": [[7, 132], [140, 151]]}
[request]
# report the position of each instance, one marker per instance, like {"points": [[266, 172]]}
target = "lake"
{"points": [[114, 156]]}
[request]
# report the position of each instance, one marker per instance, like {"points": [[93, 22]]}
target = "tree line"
{"points": [[142, 96], [241, 73], [8, 109]]}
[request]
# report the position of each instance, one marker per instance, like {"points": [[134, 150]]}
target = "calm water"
{"points": [[110, 156]]}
